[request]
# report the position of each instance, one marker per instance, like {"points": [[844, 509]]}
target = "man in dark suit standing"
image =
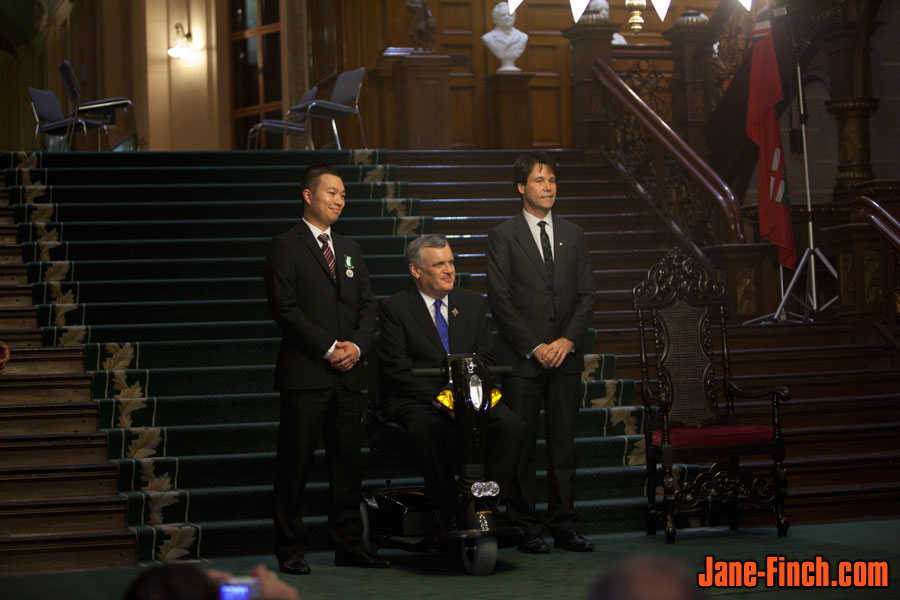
{"points": [[541, 297], [419, 327], [319, 294]]}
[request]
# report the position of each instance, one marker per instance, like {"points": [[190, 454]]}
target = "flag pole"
{"points": [[811, 253]]}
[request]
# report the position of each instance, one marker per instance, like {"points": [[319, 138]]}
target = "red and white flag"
{"points": [[762, 127]]}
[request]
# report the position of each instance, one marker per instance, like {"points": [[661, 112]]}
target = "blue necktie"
{"points": [[443, 330]]}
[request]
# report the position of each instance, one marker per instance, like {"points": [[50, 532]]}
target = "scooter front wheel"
{"points": [[479, 556], [370, 546]]}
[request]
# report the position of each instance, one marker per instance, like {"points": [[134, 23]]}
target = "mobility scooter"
{"points": [[402, 517]]}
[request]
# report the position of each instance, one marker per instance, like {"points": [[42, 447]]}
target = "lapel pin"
{"points": [[455, 312]]}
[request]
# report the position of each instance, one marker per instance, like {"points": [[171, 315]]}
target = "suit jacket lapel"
{"points": [[420, 313], [455, 321], [561, 248], [313, 244], [526, 240]]}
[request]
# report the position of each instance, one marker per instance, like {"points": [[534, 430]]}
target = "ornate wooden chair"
{"points": [[685, 421]]}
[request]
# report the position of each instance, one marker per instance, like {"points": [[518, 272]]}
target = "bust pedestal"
{"points": [[509, 110]]}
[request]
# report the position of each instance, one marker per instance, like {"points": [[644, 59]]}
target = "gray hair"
{"points": [[415, 247]]}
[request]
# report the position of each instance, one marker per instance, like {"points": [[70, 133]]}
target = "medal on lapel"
{"points": [[348, 265]]}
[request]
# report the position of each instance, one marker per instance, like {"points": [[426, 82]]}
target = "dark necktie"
{"points": [[443, 330], [328, 254], [545, 247]]}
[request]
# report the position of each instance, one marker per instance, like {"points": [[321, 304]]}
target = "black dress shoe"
{"points": [[359, 559], [294, 566], [533, 544], [574, 543]]}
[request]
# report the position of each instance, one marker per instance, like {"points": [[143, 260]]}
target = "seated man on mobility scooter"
{"points": [[419, 328]]}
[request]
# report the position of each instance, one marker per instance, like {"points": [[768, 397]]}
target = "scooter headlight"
{"points": [[482, 489], [495, 397], [445, 398]]}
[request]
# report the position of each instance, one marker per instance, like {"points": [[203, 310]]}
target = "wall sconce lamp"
{"points": [[183, 43]]}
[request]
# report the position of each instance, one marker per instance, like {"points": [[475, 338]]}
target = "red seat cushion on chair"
{"points": [[715, 435]]}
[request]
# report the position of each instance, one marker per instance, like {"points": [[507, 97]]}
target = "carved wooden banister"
{"points": [[867, 210], [882, 265], [663, 168]]}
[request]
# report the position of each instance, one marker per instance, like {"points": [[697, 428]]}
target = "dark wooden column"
{"points": [[591, 39], [509, 110], [423, 101], [690, 104]]}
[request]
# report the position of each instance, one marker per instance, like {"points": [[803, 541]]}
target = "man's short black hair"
{"points": [[525, 163], [310, 178]]}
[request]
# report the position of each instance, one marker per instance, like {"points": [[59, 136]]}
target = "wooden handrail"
{"points": [[866, 210], [678, 150]]}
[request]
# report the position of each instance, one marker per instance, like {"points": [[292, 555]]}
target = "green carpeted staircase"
{"points": [[147, 266], [151, 264]]}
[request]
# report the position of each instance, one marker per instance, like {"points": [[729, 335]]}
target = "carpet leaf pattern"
{"points": [[146, 442], [177, 543], [57, 271], [127, 406], [124, 389], [120, 357], [151, 481]]}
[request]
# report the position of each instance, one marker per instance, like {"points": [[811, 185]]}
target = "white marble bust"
{"points": [[505, 41]]}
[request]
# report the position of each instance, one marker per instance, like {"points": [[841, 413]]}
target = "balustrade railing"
{"points": [[661, 167], [887, 286]]}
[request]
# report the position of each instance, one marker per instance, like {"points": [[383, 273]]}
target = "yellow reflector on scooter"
{"points": [[446, 398], [495, 397]]}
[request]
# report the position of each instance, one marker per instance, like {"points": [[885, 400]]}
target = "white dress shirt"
{"points": [[445, 310], [535, 230]]}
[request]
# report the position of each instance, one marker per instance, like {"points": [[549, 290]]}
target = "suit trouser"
{"points": [[433, 437], [558, 392], [304, 413]]}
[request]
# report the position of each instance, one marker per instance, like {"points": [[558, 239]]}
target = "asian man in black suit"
{"points": [[541, 296], [319, 294], [419, 327]]}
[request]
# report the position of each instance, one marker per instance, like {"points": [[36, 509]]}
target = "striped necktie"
{"points": [[329, 255]]}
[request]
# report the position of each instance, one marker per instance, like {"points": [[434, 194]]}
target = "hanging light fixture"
{"points": [[183, 43]]}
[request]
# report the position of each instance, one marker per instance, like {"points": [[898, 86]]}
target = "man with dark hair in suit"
{"points": [[319, 294], [541, 297], [419, 327]]}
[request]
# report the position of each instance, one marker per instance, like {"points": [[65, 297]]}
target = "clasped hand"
{"points": [[345, 355], [553, 354]]}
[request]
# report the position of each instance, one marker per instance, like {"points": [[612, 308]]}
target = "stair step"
{"points": [[503, 189], [31, 419], [616, 206], [860, 468], [8, 234], [17, 318], [616, 243], [784, 360], [15, 296], [12, 274], [474, 157], [491, 172], [590, 223], [48, 517], [21, 338], [839, 439], [52, 449], [68, 552], [46, 361], [10, 254], [44, 389], [91, 480]]}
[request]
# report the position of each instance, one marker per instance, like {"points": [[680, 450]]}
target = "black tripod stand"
{"points": [[810, 301]]}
